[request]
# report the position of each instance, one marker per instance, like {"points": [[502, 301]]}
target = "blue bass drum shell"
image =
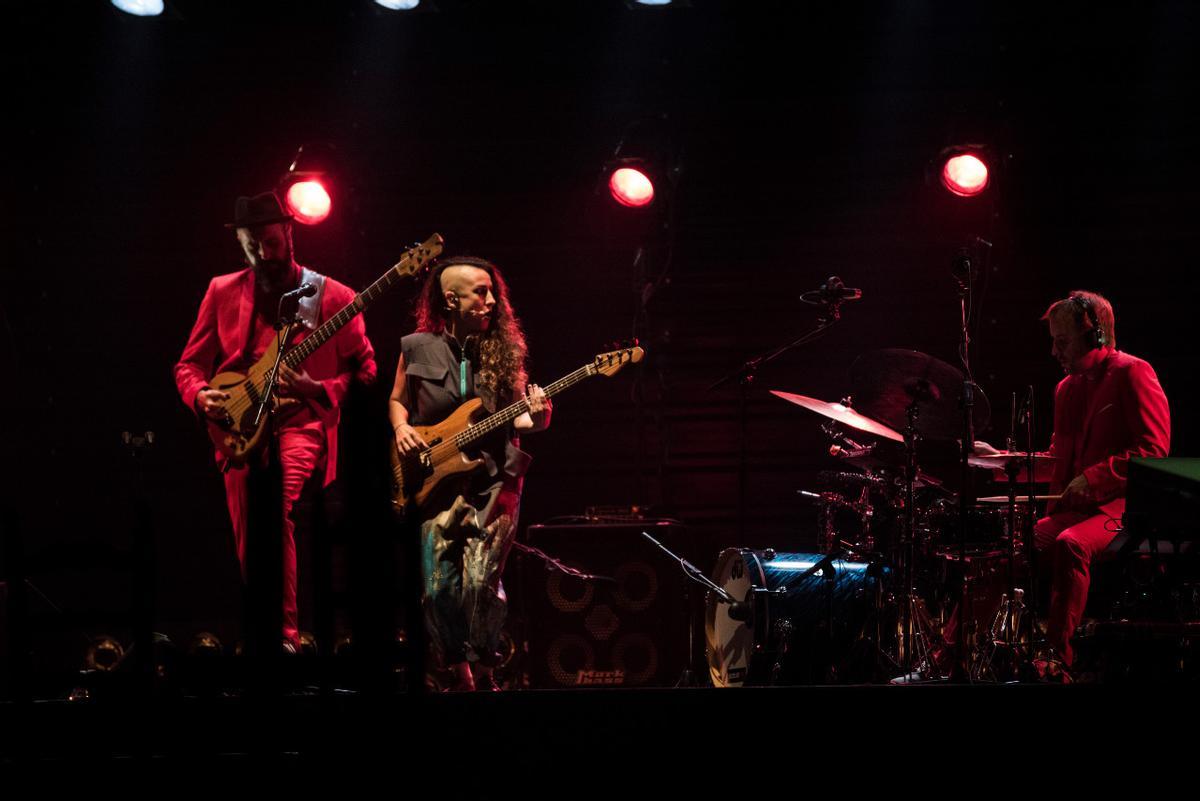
{"points": [[801, 627]]}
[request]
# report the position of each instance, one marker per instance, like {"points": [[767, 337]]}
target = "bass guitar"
{"points": [[240, 432], [417, 476]]}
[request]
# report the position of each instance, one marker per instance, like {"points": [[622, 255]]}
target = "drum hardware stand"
{"points": [[963, 272], [913, 629], [830, 299], [1011, 470], [1005, 630], [1004, 635], [830, 500], [1030, 544]]}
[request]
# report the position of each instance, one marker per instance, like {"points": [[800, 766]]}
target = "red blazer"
{"points": [[223, 327], [1102, 418]]}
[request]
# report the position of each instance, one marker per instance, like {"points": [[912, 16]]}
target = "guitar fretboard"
{"points": [[307, 346], [515, 410]]}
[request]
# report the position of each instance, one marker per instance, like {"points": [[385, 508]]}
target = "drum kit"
{"points": [[909, 578]]}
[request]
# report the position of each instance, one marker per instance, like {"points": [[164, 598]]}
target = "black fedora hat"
{"points": [[262, 209]]}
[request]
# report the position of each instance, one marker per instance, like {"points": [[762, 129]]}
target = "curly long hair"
{"points": [[501, 351]]}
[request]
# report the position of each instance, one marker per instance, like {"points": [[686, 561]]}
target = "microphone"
{"points": [[305, 290]]}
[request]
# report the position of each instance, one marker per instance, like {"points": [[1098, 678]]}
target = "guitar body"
{"points": [[237, 437], [415, 479]]}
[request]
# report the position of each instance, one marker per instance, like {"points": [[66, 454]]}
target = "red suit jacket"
{"points": [[223, 327], [1103, 418]]}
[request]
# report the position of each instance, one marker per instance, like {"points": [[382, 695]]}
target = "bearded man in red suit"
{"points": [[234, 327]]}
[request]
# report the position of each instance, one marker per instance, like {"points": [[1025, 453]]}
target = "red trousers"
{"points": [[301, 449], [1067, 542], [1071, 540]]}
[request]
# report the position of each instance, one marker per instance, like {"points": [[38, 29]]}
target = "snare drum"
{"points": [[988, 534], [795, 627]]}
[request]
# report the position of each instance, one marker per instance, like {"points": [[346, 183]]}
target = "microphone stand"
{"points": [[289, 309], [967, 446], [263, 547], [744, 375], [694, 573]]}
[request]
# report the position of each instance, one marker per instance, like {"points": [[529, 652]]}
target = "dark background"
{"points": [[804, 140]]}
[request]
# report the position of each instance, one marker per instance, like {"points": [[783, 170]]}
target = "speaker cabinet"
{"points": [[628, 628]]}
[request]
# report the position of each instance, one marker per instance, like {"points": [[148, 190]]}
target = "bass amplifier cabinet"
{"points": [[628, 628]]}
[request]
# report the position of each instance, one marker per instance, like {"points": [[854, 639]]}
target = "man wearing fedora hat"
{"points": [[234, 327]]}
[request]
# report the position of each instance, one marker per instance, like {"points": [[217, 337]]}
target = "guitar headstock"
{"points": [[612, 361], [418, 257]]}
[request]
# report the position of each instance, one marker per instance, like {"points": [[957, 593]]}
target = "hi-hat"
{"points": [[1001, 459]]}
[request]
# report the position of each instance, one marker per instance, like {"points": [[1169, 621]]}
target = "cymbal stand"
{"points": [[913, 627]]}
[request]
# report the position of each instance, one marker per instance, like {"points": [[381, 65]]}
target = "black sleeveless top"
{"points": [[433, 376]]}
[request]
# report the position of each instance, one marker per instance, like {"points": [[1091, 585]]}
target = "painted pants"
{"points": [[301, 449], [463, 553]]}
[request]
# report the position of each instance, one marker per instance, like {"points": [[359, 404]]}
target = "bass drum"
{"points": [[789, 627]]}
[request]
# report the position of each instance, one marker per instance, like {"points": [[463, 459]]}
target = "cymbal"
{"points": [[842, 414], [990, 499], [1001, 459], [885, 382]]}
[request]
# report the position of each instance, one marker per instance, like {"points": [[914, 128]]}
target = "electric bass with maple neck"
{"points": [[417, 476]]}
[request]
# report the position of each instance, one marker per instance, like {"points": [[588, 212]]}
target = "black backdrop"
{"points": [[804, 139]]}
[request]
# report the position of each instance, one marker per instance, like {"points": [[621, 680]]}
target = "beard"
{"points": [[271, 274]]}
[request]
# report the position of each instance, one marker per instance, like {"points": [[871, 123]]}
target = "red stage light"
{"points": [[631, 187], [965, 175], [308, 202]]}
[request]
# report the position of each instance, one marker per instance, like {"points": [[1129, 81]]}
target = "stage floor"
{"points": [[592, 731]]}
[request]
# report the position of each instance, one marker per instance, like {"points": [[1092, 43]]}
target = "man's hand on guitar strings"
{"points": [[211, 403]]}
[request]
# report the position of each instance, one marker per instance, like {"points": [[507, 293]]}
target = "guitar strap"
{"points": [[310, 307]]}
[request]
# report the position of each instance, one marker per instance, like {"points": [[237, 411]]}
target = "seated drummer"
{"points": [[1108, 409]]}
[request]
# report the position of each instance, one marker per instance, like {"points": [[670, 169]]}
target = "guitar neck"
{"points": [[515, 410], [307, 346]]}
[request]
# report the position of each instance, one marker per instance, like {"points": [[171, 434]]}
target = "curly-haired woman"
{"points": [[468, 343]]}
